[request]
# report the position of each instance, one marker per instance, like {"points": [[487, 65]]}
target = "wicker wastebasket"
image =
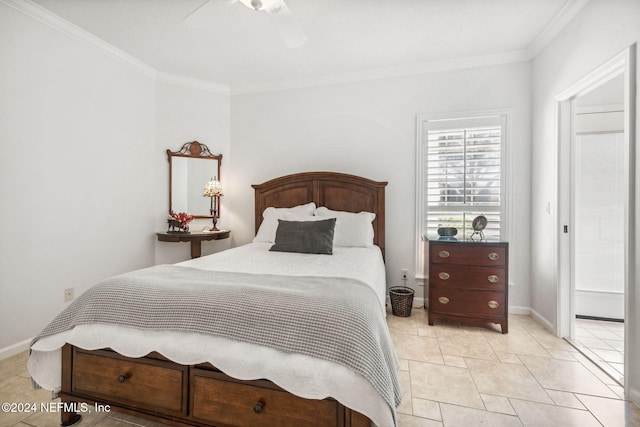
{"points": [[401, 300]]}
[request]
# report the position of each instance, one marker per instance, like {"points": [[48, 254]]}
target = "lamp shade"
{"points": [[212, 188]]}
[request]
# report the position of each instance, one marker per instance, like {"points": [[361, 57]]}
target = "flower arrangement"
{"points": [[179, 220]]}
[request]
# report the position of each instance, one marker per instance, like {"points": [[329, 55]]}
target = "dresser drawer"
{"points": [[482, 278], [480, 254], [217, 399], [467, 303], [144, 383]]}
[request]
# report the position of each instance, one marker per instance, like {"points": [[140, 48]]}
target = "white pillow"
{"points": [[352, 229], [269, 225]]}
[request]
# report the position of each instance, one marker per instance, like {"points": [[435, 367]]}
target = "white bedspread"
{"points": [[302, 375], [364, 264]]}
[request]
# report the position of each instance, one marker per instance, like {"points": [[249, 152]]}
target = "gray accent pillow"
{"points": [[306, 237]]}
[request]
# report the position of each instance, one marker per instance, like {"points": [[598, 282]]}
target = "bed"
{"points": [[190, 378]]}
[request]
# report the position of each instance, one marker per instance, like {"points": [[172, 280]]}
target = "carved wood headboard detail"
{"points": [[336, 191]]}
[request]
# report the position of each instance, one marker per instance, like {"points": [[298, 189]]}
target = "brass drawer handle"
{"points": [[493, 304], [444, 276], [493, 256], [443, 300], [493, 278], [258, 407], [443, 254], [122, 378]]}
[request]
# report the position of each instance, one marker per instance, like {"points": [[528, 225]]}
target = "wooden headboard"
{"points": [[336, 191]]}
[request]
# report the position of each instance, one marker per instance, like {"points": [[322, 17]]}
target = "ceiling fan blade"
{"points": [[203, 15], [200, 15], [287, 25]]}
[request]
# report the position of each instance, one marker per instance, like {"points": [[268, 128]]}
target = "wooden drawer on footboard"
{"points": [[147, 384], [155, 388], [217, 399]]}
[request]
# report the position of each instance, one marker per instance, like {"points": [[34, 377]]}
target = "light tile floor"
{"points": [[603, 343], [451, 375]]}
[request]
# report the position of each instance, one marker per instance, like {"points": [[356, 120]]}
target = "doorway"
{"points": [[596, 174], [598, 184]]}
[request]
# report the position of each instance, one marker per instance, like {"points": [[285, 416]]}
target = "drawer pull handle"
{"points": [[122, 378], [443, 254], [493, 304], [443, 300], [493, 256], [443, 276], [258, 407], [493, 278]]}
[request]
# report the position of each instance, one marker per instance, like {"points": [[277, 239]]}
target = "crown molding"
{"points": [[192, 83], [425, 68], [557, 24], [44, 16]]}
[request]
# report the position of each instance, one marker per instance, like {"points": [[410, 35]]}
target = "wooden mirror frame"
{"points": [[194, 150]]}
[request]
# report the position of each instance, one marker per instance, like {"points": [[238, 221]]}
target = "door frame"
{"points": [[623, 63]]}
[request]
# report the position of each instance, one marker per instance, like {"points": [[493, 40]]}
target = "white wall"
{"points": [[84, 176], [183, 115], [76, 133], [369, 128], [601, 30]]}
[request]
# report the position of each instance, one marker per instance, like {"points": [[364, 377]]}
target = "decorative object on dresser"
{"points": [[192, 163], [213, 190], [468, 282], [447, 233], [180, 221], [479, 224]]}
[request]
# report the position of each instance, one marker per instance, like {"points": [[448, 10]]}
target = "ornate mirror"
{"points": [[190, 169]]}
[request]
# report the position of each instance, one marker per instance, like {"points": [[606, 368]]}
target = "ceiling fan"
{"points": [[280, 14]]}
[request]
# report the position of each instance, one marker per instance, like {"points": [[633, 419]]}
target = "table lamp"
{"points": [[213, 189]]}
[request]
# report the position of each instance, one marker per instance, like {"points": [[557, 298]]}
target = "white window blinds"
{"points": [[462, 174]]}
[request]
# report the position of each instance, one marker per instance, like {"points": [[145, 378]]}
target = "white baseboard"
{"points": [[543, 321], [418, 303], [634, 396], [599, 304], [516, 309], [14, 349]]}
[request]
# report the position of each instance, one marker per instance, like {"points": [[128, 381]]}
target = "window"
{"points": [[461, 174]]}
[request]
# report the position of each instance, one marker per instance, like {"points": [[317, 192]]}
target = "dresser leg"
{"points": [[504, 327]]}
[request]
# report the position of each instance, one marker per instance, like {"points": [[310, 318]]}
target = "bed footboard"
{"points": [[155, 388]]}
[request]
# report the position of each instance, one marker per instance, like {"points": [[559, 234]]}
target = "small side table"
{"points": [[195, 238]]}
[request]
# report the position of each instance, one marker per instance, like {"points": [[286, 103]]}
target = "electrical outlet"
{"points": [[68, 294], [405, 273]]}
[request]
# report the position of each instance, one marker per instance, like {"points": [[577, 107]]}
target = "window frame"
{"points": [[505, 175]]}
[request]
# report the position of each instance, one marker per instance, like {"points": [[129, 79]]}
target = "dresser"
{"points": [[468, 281]]}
